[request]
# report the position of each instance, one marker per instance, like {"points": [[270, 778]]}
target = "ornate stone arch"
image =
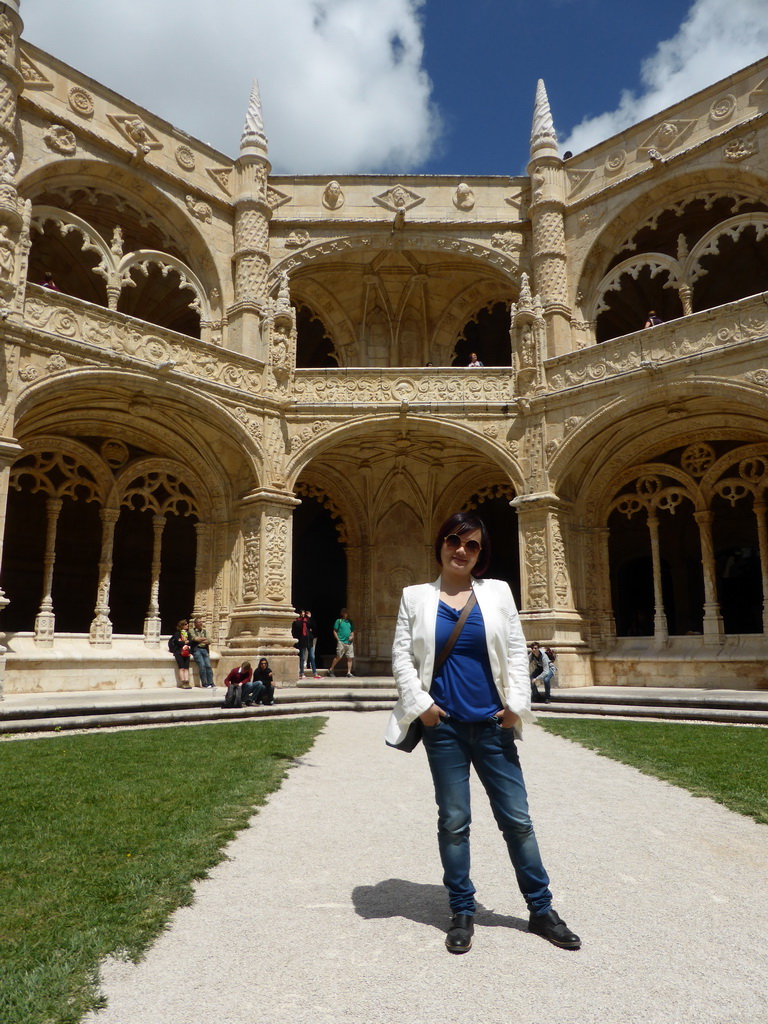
{"points": [[586, 466], [657, 263], [465, 306], [60, 469], [160, 486], [708, 245], [86, 184], [504, 261], [79, 390], [323, 302], [141, 260], [320, 440], [319, 492], [750, 463], [644, 210]]}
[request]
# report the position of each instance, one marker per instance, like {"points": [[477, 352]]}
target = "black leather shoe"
{"points": [[459, 937], [552, 927]]}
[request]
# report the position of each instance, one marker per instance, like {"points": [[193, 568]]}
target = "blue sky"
{"points": [[424, 86]]}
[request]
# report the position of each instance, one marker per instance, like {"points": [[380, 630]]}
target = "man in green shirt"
{"points": [[344, 631]]}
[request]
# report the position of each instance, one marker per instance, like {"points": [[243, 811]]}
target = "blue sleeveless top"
{"points": [[464, 686]]}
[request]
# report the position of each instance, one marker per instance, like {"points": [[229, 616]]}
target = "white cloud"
{"points": [[716, 39], [342, 81]]}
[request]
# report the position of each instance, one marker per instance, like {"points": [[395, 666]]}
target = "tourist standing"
{"points": [[200, 644], [344, 631], [460, 665]]}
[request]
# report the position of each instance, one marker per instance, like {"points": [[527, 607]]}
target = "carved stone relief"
{"points": [[221, 176], [81, 101], [398, 199], [722, 109], [739, 149], [61, 140], [185, 158], [333, 197], [463, 197], [200, 210]]}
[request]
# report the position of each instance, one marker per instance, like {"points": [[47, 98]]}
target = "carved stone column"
{"points": [[686, 298], [101, 627], [9, 452], [252, 216], [713, 620], [152, 620], [11, 210], [204, 539], [660, 629], [545, 571], [45, 622], [548, 226], [597, 585], [528, 333], [260, 625], [762, 538]]}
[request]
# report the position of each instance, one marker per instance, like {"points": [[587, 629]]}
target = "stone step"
{"points": [[737, 715], [143, 715]]}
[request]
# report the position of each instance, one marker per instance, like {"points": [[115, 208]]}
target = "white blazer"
{"points": [[413, 651]]}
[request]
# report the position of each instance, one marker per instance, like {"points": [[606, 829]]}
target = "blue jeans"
{"points": [[203, 662], [307, 652], [453, 746], [545, 678]]}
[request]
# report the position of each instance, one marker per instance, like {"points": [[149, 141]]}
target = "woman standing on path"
{"points": [[471, 708]]}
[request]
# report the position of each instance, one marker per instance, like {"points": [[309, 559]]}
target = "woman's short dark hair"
{"points": [[465, 522]]}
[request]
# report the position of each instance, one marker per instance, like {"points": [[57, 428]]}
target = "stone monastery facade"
{"points": [[250, 392]]}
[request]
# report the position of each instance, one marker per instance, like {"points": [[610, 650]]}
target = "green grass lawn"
{"points": [[725, 762], [102, 838]]}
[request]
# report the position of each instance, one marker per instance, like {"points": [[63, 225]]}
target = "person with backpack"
{"points": [[541, 672], [234, 683]]}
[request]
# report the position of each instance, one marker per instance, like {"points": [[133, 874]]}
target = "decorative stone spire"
{"points": [[253, 137], [543, 135], [526, 299]]}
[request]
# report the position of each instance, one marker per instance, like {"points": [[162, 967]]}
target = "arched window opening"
{"points": [[71, 267], [738, 268], [691, 218], [107, 212], [160, 297], [487, 334], [628, 307], [314, 347], [319, 576]]}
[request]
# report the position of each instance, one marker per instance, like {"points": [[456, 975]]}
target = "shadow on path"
{"points": [[422, 903]]}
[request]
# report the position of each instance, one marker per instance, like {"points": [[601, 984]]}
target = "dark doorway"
{"points": [[131, 571], [737, 564], [319, 579], [76, 572], [23, 552], [500, 519], [177, 572]]}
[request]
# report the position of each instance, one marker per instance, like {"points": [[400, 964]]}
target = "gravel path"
{"points": [[330, 909]]}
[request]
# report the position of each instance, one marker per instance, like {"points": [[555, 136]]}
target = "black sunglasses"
{"points": [[454, 542]]}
